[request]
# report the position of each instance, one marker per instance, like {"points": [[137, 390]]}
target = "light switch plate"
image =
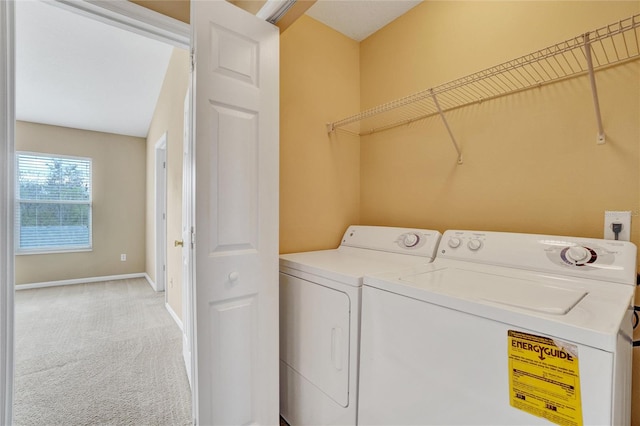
{"points": [[623, 217]]}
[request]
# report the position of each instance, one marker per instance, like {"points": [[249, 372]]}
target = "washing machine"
{"points": [[501, 329], [320, 295]]}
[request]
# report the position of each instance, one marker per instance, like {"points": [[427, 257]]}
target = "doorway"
{"points": [[181, 38], [161, 213], [236, 319]]}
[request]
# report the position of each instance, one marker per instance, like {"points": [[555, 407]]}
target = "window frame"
{"points": [[18, 200]]}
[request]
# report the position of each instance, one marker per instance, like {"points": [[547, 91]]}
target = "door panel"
{"points": [[236, 216], [234, 171], [234, 362], [237, 55]]}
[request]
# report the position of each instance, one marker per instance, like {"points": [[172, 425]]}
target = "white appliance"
{"points": [[320, 318], [501, 329]]}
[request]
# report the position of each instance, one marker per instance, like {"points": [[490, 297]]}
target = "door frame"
{"points": [[7, 158], [120, 13], [160, 214]]}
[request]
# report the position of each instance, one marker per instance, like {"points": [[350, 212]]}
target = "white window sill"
{"points": [[53, 251]]}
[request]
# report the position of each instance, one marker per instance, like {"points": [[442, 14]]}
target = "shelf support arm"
{"points": [[330, 127], [446, 124], [594, 89]]}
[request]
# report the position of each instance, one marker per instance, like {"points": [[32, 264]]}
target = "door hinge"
{"points": [[193, 60], [164, 164], [193, 238]]}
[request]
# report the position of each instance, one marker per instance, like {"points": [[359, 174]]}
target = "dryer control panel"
{"points": [[606, 260], [418, 242]]}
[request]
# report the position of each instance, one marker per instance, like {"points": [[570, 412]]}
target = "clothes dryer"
{"points": [[501, 329], [320, 295]]}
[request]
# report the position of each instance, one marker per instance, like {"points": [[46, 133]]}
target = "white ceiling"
{"points": [[358, 19], [76, 72]]}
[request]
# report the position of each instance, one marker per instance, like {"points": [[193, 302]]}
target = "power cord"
{"points": [[636, 309], [617, 229]]}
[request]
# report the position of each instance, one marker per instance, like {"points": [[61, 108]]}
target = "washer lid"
{"points": [[584, 311], [509, 291]]}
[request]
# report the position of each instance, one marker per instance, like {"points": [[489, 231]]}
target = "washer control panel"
{"points": [[462, 241], [418, 242], [583, 257], [586, 256]]}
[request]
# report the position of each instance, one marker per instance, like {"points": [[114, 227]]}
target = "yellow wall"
{"points": [[319, 176], [531, 163], [518, 175], [168, 117], [251, 6], [118, 203], [177, 9]]}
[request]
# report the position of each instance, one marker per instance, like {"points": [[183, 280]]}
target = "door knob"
{"points": [[177, 243]]}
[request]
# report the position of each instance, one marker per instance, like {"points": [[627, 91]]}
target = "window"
{"points": [[53, 206]]}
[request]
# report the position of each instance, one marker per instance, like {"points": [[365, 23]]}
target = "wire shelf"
{"points": [[603, 47]]}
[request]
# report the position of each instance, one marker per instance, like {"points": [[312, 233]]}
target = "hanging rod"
{"points": [[612, 44]]}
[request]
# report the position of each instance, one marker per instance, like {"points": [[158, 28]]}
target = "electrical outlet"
{"points": [[623, 218], [123, 257]]}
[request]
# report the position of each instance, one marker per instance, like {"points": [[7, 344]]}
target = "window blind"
{"points": [[53, 208]]}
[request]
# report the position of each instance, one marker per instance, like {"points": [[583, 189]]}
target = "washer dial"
{"points": [[454, 242], [410, 240], [577, 254], [474, 244]]}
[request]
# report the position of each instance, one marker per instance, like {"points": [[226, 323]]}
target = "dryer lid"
{"points": [[348, 265]]}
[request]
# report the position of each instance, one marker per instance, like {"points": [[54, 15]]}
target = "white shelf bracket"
{"points": [[594, 90], [330, 127], [446, 124]]}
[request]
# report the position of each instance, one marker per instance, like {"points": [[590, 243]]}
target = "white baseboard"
{"points": [[174, 315], [78, 281], [151, 283]]}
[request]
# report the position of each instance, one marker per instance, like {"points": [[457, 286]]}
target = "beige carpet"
{"points": [[98, 354]]}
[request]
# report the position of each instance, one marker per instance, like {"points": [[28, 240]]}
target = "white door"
{"points": [[236, 216], [187, 221]]}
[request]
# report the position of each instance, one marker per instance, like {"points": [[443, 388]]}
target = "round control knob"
{"points": [[410, 240], [474, 244], [454, 242], [577, 253]]}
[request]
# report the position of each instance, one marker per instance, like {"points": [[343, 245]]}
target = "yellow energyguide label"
{"points": [[544, 378]]}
